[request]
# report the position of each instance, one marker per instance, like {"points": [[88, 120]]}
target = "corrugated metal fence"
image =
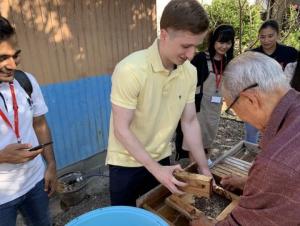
{"points": [[72, 46], [79, 117]]}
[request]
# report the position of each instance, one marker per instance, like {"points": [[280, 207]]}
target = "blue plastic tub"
{"points": [[118, 216]]}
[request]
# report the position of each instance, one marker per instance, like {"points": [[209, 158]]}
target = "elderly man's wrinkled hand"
{"points": [[232, 182]]}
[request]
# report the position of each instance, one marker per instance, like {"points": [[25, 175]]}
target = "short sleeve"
{"points": [[38, 103], [191, 95], [289, 70], [125, 87]]}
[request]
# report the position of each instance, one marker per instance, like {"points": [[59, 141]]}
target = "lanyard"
{"points": [[218, 74], [16, 115]]}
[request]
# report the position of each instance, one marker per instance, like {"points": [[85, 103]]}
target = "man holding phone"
{"points": [[25, 182]]}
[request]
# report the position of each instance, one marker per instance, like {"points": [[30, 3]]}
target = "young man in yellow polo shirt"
{"points": [[152, 90]]}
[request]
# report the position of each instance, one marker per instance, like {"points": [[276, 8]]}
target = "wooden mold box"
{"points": [[179, 210]]}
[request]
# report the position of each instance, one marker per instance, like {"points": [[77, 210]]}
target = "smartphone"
{"points": [[40, 146]]}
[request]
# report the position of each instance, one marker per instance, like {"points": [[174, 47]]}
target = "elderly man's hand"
{"points": [[202, 221], [232, 182]]}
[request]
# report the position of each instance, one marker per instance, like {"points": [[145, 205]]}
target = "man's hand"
{"points": [[232, 182], [18, 153], [205, 171], [164, 174], [50, 179]]}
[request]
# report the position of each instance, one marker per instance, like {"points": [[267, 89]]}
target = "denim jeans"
{"points": [[251, 133], [33, 206]]}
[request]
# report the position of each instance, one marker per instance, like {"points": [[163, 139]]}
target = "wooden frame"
{"points": [[178, 210], [199, 185]]}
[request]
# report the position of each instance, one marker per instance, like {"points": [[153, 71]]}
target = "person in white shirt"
{"points": [[25, 180]]}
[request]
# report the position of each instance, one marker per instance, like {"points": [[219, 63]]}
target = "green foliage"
{"points": [[291, 32], [228, 12]]}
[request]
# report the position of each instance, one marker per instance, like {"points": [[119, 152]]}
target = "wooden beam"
{"points": [[153, 197], [182, 207], [239, 162], [147, 207], [227, 210]]}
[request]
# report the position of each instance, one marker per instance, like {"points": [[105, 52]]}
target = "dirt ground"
{"points": [[230, 132]]}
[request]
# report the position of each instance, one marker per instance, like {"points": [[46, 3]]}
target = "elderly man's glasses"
{"points": [[228, 111]]}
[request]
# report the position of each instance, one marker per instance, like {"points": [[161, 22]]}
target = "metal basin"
{"points": [[73, 189]]}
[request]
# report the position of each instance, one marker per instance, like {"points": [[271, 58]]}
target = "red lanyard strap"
{"points": [[218, 74], [16, 115]]}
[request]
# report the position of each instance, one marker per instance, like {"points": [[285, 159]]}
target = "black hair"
{"points": [[295, 82], [223, 33], [6, 30], [270, 23]]}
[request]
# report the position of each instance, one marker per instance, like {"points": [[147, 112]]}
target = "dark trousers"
{"points": [[129, 183], [180, 153], [33, 206]]}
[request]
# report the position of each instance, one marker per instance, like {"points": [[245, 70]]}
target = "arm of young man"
{"points": [[122, 118], [192, 137], [43, 134]]}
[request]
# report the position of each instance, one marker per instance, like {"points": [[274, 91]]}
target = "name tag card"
{"points": [[216, 99]]}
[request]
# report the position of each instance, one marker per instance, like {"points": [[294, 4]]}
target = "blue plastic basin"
{"points": [[118, 216]]}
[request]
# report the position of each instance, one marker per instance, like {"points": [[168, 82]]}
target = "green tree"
{"points": [[246, 20], [290, 33]]}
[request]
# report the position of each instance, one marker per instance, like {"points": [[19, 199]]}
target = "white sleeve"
{"points": [[38, 102], [290, 70]]}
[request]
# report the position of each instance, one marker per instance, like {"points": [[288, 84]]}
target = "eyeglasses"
{"points": [[228, 111]]}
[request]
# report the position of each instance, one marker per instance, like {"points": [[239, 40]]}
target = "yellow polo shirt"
{"points": [[158, 97]]}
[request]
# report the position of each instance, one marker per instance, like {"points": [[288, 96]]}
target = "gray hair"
{"points": [[250, 68]]}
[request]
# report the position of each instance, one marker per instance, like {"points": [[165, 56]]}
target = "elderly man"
{"points": [[256, 89]]}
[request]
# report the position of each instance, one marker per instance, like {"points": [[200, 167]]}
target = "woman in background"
{"points": [[210, 65], [268, 35]]}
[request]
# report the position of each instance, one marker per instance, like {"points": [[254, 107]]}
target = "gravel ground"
{"points": [[230, 132]]}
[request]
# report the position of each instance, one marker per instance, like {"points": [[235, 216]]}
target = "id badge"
{"points": [[216, 99]]}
